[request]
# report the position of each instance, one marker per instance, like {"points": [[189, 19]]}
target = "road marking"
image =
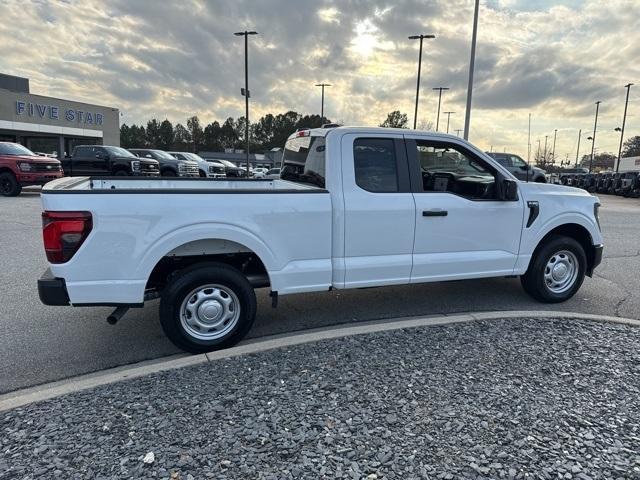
{"points": [[83, 382]]}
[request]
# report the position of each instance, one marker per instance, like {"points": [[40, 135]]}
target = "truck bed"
{"points": [[173, 185]]}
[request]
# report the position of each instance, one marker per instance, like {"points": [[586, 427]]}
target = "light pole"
{"points": [[439, 89], [624, 119], [467, 115], [448, 118], [578, 149], [322, 103], [593, 141], [421, 37], [545, 148], [553, 152], [529, 141], [458, 130], [245, 91]]}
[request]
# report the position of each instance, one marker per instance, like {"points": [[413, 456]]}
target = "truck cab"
{"points": [[106, 160]]}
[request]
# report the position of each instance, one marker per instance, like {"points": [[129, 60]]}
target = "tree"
{"points": [[165, 135], [631, 148], [181, 137], [125, 136], [195, 132], [228, 137], [138, 137], [395, 119], [601, 161], [211, 137], [153, 133]]}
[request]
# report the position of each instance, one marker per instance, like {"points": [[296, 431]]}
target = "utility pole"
{"points": [[467, 115], [245, 90], [578, 149], [439, 89], [529, 141], [553, 152], [458, 130], [421, 37], [624, 119], [322, 102], [593, 140], [545, 148], [448, 118]]}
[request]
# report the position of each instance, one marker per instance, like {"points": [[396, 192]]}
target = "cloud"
{"points": [[176, 59]]}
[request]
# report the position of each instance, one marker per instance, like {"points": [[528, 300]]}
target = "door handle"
{"points": [[434, 213]]}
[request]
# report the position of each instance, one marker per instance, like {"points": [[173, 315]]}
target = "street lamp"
{"points": [[416, 37], [439, 89], [624, 119], [245, 91], [593, 139], [322, 104], [467, 115], [553, 152], [448, 118]]}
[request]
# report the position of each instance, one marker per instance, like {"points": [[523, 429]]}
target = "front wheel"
{"points": [[9, 186], [556, 271], [207, 307]]}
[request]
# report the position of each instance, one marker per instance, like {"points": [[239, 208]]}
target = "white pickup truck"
{"points": [[354, 207]]}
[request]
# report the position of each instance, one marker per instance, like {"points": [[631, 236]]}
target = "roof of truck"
{"points": [[322, 132]]}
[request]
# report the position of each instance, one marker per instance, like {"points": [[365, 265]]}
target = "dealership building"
{"points": [[52, 125]]}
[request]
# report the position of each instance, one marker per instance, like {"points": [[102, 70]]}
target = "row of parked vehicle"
{"points": [[626, 184], [20, 167]]}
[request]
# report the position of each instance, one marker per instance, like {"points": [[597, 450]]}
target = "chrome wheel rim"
{"points": [[210, 312], [561, 271]]}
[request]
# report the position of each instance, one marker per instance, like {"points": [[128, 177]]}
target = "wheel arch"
{"points": [[221, 243], [572, 230]]}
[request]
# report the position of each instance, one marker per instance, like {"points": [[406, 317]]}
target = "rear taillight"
{"points": [[63, 233]]}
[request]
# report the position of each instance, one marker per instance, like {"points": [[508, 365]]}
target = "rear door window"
{"points": [[303, 160], [376, 166]]}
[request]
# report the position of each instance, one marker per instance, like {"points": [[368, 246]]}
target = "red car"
{"points": [[20, 167]]}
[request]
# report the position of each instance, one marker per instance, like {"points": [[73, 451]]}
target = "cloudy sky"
{"points": [[173, 59]]}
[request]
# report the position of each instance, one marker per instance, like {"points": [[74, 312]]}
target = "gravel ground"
{"points": [[499, 399]]}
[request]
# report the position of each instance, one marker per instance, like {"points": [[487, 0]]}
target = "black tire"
{"points": [[169, 173], [540, 180], [9, 186], [121, 173], [202, 174], [533, 281], [201, 275]]}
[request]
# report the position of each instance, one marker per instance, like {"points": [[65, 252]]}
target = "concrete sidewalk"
{"points": [[492, 398]]}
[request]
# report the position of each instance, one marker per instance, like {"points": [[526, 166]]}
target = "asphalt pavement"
{"points": [[510, 399], [40, 344]]}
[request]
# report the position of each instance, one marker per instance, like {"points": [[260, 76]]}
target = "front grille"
{"points": [[45, 167], [219, 170], [190, 170], [149, 167]]}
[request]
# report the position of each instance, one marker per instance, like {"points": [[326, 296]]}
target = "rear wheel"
{"points": [[9, 186], [556, 271], [207, 307]]}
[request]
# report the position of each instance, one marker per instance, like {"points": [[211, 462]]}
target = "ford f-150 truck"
{"points": [[353, 208], [107, 160], [20, 167]]}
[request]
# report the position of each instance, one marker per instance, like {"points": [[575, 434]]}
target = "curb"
{"points": [[83, 382]]}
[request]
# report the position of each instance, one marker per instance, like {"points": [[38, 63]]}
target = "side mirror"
{"points": [[509, 190], [526, 167]]}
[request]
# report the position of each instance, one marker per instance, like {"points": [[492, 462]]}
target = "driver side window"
{"points": [[445, 167]]}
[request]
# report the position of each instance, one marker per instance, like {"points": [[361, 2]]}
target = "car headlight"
{"points": [[212, 169], [135, 165], [24, 167], [182, 165]]}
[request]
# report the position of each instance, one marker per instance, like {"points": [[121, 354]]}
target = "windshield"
{"points": [[303, 161], [163, 155], [14, 149], [192, 156], [119, 152], [225, 162]]}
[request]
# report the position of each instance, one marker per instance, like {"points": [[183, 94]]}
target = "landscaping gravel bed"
{"points": [[497, 399]]}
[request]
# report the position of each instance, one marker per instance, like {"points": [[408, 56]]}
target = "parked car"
{"points": [[605, 184], [259, 172], [519, 168], [616, 183], [106, 160], [170, 166], [20, 167], [232, 170], [354, 208], [206, 168], [273, 173]]}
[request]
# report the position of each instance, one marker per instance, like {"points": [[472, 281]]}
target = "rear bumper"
{"points": [[52, 290], [597, 258]]}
